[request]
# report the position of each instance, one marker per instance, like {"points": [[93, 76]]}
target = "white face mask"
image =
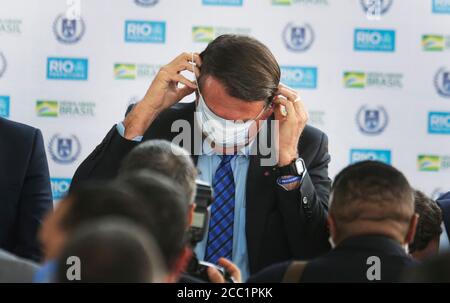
{"points": [[226, 133]]}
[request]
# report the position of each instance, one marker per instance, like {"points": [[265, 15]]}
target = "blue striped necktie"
{"points": [[220, 235]]}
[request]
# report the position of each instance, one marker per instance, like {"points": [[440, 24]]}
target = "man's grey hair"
{"points": [[166, 158]]}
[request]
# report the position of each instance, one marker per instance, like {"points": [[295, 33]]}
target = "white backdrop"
{"points": [[374, 73]]}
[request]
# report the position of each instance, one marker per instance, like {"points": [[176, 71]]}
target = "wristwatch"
{"points": [[295, 168]]}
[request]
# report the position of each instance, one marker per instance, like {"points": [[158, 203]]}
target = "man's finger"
{"points": [[184, 91], [231, 268], [181, 57], [288, 106], [215, 276], [197, 59], [187, 57], [189, 67], [286, 87], [278, 112], [289, 94], [280, 107], [185, 81], [291, 112], [300, 108], [293, 96]]}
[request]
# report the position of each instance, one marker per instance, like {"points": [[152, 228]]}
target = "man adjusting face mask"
{"points": [[270, 188]]}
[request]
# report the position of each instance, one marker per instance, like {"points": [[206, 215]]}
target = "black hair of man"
{"points": [[166, 204], [429, 224], [371, 191], [96, 200], [111, 250], [245, 66]]}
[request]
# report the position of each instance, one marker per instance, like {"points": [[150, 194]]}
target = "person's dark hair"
{"points": [[167, 159], [429, 224], [168, 208], [245, 66], [111, 251], [97, 200], [371, 191]]}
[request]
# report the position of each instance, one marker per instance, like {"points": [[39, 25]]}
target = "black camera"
{"points": [[199, 270], [203, 200], [197, 231]]}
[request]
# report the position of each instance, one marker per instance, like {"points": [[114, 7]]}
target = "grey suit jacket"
{"points": [[15, 270]]}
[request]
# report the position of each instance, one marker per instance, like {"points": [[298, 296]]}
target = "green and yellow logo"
{"points": [[46, 108], [282, 2], [203, 33], [125, 71], [433, 43], [429, 163], [354, 79]]}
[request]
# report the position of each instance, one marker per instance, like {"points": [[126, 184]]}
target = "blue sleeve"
{"points": [[121, 130]]}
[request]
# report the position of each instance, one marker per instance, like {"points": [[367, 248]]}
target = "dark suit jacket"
{"points": [[444, 204], [25, 192], [281, 225], [348, 263]]}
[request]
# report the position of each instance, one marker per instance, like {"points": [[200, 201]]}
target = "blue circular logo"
{"points": [[67, 30], [298, 37], [442, 82], [372, 120], [64, 149], [146, 2], [2, 64], [376, 7]]}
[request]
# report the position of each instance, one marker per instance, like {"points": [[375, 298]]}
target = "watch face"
{"points": [[300, 166]]}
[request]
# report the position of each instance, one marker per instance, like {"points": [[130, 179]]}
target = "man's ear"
{"points": [[191, 211], [412, 229], [180, 265], [332, 228]]}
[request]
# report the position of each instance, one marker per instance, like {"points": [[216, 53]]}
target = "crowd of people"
{"points": [[135, 211]]}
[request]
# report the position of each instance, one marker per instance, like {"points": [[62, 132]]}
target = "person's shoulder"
{"points": [[271, 274], [15, 127], [178, 111], [162, 126], [9, 128], [312, 134], [444, 197], [14, 269], [8, 257]]}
